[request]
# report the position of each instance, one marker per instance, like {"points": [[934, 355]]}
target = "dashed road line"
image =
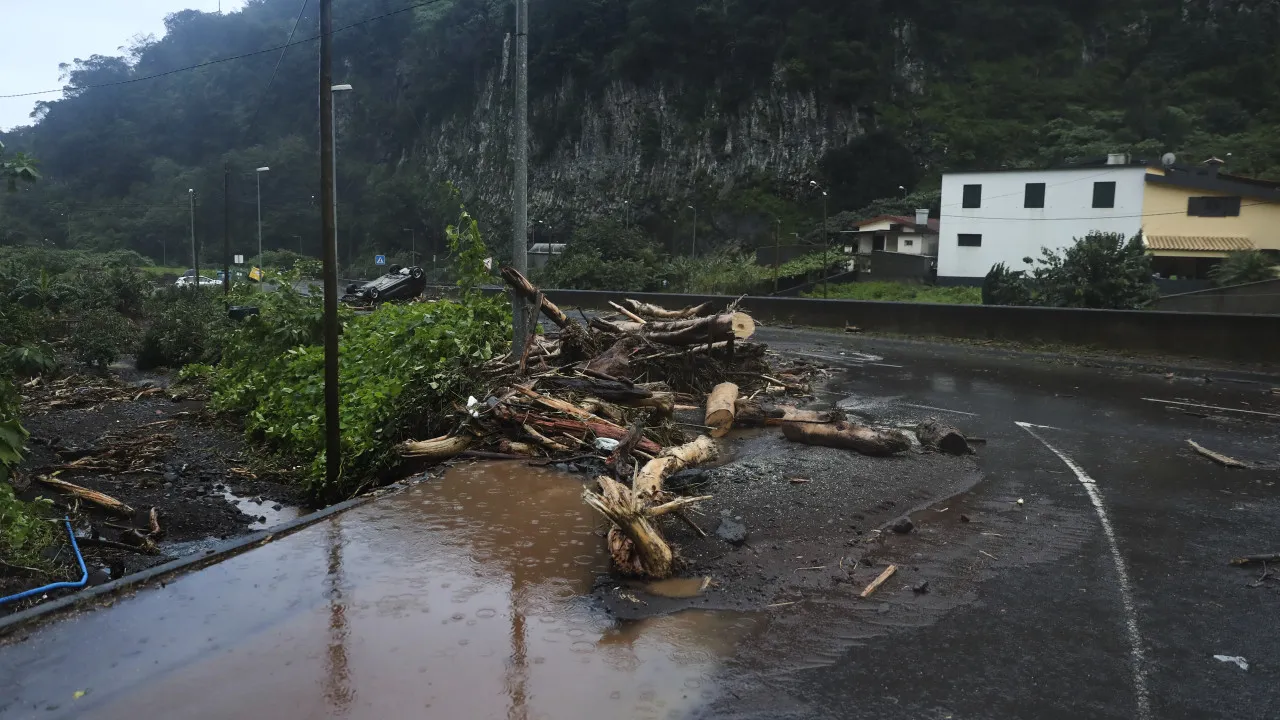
{"points": [[1213, 407], [1136, 653], [930, 407]]}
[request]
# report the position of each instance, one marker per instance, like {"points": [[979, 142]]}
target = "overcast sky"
{"points": [[41, 34]]}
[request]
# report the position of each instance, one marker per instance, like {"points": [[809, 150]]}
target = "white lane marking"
{"points": [[930, 407], [1136, 653], [1213, 407], [886, 365]]}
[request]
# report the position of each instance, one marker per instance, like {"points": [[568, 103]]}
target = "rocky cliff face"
{"points": [[632, 143]]}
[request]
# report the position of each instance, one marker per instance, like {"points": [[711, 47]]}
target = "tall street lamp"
{"points": [[191, 195], [334, 134], [413, 244], [693, 250], [259, 176], [826, 245], [299, 239]]}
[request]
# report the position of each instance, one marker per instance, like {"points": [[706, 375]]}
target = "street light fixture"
{"points": [[258, 174], [826, 241], [335, 89], [693, 250], [191, 195]]}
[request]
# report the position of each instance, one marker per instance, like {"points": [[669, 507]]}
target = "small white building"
{"points": [[1005, 216], [894, 233]]}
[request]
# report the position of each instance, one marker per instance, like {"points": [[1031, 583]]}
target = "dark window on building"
{"points": [[973, 196], [1035, 196], [1104, 194], [908, 243], [877, 242], [1213, 206], [969, 240]]}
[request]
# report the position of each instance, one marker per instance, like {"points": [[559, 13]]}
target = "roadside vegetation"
{"points": [[1245, 267], [900, 292], [1102, 270]]}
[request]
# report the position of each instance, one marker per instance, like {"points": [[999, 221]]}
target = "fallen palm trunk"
{"points": [[866, 440], [720, 409], [751, 413], [1219, 458], [102, 500], [934, 434], [657, 311], [437, 449]]}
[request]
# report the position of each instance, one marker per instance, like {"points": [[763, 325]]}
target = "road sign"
{"points": [[379, 259], [239, 260]]}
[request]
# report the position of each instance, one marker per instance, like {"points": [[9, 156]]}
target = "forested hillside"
{"points": [[639, 109]]}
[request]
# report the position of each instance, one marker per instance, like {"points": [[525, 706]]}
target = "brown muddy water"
{"points": [[462, 597]]}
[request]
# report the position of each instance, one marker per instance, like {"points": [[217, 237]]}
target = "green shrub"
{"points": [[185, 327], [900, 292], [99, 336], [1244, 267], [1003, 286]]}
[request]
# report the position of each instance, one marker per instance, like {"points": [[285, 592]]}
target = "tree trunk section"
{"points": [[636, 546], [648, 482], [727, 326], [521, 285], [616, 361], [861, 438], [720, 409], [657, 311], [436, 449], [944, 438]]}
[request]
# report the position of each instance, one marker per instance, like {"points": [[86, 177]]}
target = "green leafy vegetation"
{"points": [[901, 292], [403, 368], [1101, 270], [1245, 267]]}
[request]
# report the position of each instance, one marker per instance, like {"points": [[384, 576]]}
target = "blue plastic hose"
{"points": [[84, 573]]}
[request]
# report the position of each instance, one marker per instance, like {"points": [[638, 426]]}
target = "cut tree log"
{"points": [[102, 500], [657, 311], [512, 447], [720, 409], [648, 482], [944, 438], [752, 413], [663, 402], [1256, 559], [726, 326], [545, 441], [1219, 458], [437, 449], [635, 544], [599, 428], [845, 435]]}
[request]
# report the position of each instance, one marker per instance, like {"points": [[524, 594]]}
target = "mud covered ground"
{"points": [[200, 482]]}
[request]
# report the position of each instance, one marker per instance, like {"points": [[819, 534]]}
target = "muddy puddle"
{"points": [[463, 597]]}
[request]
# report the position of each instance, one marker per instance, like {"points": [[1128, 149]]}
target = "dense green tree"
{"points": [[1245, 267]]}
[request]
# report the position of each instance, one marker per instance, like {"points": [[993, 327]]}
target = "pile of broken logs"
{"points": [[605, 393]]}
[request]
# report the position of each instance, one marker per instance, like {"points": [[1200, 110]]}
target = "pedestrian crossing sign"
{"points": [[379, 259]]}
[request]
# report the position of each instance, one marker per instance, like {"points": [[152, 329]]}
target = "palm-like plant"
{"points": [[1244, 267], [20, 167]]}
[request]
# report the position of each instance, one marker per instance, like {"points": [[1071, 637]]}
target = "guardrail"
{"points": [[1236, 338]]}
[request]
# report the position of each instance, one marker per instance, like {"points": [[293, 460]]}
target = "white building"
{"points": [[894, 233], [1005, 216]]}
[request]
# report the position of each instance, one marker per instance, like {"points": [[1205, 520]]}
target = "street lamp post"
{"points": [[693, 250], [259, 176], [191, 195], [626, 205], [826, 244], [413, 245], [333, 125], [777, 250], [299, 239]]}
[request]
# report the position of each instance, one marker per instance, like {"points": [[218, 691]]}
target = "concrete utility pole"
{"points": [[259, 174], [329, 241], [777, 250], [693, 249], [191, 196], [333, 151], [520, 191], [413, 245], [826, 244], [226, 230]]}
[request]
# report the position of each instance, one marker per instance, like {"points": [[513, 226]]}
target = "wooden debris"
{"points": [[102, 500], [944, 438], [1256, 559], [630, 315], [153, 524], [648, 482], [656, 311], [880, 580], [866, 440], [1216, 457], [720, 409], [727, 326], [436, 449]]}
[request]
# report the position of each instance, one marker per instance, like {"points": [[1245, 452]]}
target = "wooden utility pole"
{"points": [[521, 319], [329, 235], [226, 230]]}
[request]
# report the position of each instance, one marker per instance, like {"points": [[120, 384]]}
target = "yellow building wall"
{"points": [[1164, 212]]}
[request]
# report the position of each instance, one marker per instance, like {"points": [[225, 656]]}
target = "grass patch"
{"points": [[901, 292]]}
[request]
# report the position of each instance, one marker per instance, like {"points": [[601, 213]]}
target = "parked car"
{"points": [[189, 278], [400, 283]]}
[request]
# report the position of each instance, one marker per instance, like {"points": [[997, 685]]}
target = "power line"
{"points": [[248, 132], [219, 61], [1090, 217]]}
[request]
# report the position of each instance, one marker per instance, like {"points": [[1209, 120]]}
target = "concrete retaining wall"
{"points": [[1256, 298], [1237, 338]]}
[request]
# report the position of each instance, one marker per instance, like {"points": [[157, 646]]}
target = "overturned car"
{"points": [[400, 283]]}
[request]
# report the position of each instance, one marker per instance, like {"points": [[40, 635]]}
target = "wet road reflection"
{"points": [[460, 598]]}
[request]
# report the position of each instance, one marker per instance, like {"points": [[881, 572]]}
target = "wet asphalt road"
{"points": [[1069, 638], [1057, 618]]}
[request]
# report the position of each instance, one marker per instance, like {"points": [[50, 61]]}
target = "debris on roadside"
{"points": [[1219, 458], [903, 526], [1256, 559], [935, 435], [1235, 660], [602, 394]]}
